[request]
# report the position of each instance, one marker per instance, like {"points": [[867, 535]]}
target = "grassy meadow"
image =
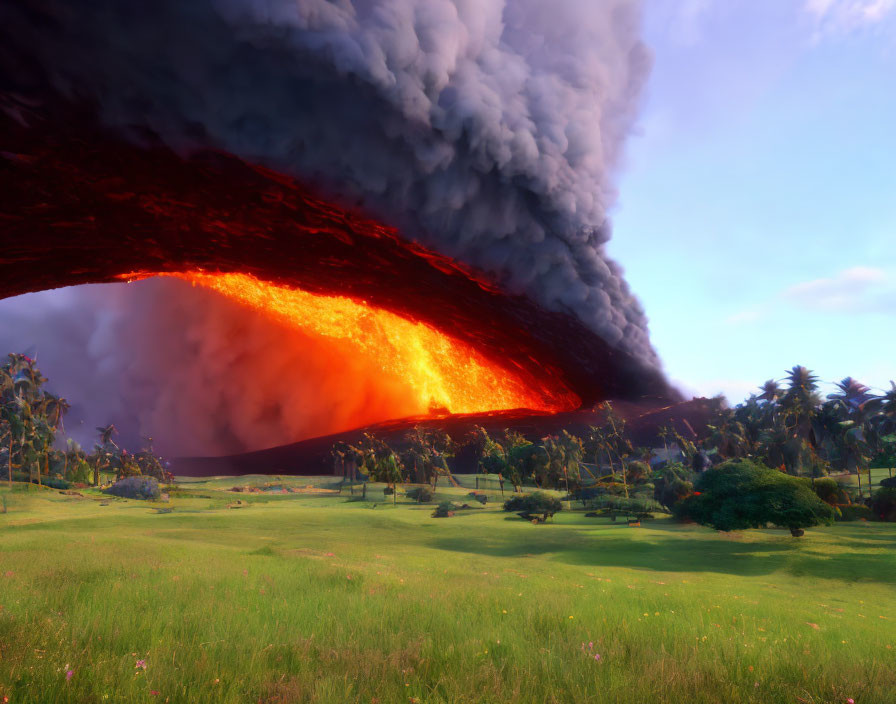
{"points": [[312, 597]]}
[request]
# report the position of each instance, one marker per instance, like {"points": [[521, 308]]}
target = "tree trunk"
{"points": [[624, 480], [859, 476], [10, 458], [566, 479]]}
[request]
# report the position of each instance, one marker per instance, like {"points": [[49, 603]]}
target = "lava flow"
{"points": [[442, 372]]}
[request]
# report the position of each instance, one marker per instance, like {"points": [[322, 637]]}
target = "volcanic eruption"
{"points": [[423, 183]]}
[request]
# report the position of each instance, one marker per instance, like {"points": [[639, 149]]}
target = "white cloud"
{"points": [[856, 290], [844, 16]]}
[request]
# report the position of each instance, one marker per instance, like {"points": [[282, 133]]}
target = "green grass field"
{"points": [[313, 598]]}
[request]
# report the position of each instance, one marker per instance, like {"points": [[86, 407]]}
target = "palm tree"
{"points": [[564, 452], [727, 435], [30, 415], [858, 439], [884, 423], [610, 439], [771, 391], [518, 452], [852, 394], [801, 398]]}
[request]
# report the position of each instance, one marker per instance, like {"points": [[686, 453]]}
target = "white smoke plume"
{"points": [[488, 130]]}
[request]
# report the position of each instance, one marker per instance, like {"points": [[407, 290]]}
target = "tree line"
{"points": [[786, 426], [30, 420]]}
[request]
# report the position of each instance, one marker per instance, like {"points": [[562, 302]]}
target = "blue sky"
{"points": [[757, 207]]}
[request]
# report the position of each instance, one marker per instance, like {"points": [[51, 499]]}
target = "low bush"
{"points": [[888, 483], [478, 496], [855, 512], [444, 510], [420, 494], [830, 491], [136, 487], [52, 482], [634, 507], [538, 506], [883, 503]]}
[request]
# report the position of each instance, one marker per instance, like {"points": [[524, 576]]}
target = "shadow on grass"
{"points": [[675, 550]]}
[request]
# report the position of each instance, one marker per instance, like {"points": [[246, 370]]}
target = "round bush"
{"points": [[740, 494], [136, 487]]}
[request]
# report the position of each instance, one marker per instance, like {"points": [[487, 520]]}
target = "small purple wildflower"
{"points": [[597, 657], [69, 675], [141, 664]]}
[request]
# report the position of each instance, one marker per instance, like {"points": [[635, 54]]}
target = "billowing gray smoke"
{"points": [[488, 130]]}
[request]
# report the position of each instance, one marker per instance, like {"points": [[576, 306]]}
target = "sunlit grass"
{"points": [[301, 597]]}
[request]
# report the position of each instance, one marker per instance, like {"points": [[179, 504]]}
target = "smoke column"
{"points": [[487, 130]]}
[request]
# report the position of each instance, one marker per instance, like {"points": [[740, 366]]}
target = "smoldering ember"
{"points": [[285, 284]]}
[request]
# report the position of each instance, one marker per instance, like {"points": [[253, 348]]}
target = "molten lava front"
{"points": [[441, 372]]}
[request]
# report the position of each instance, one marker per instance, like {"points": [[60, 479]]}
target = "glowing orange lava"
{"points": [[441, 371]]}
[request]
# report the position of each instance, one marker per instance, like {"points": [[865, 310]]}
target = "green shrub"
{"points": [[855, 512], [52, 482], [538, 506], [634, 507], [420, 494], [444, 510], [740, 494], [830, 491], [883, 504], [888, 483]]}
